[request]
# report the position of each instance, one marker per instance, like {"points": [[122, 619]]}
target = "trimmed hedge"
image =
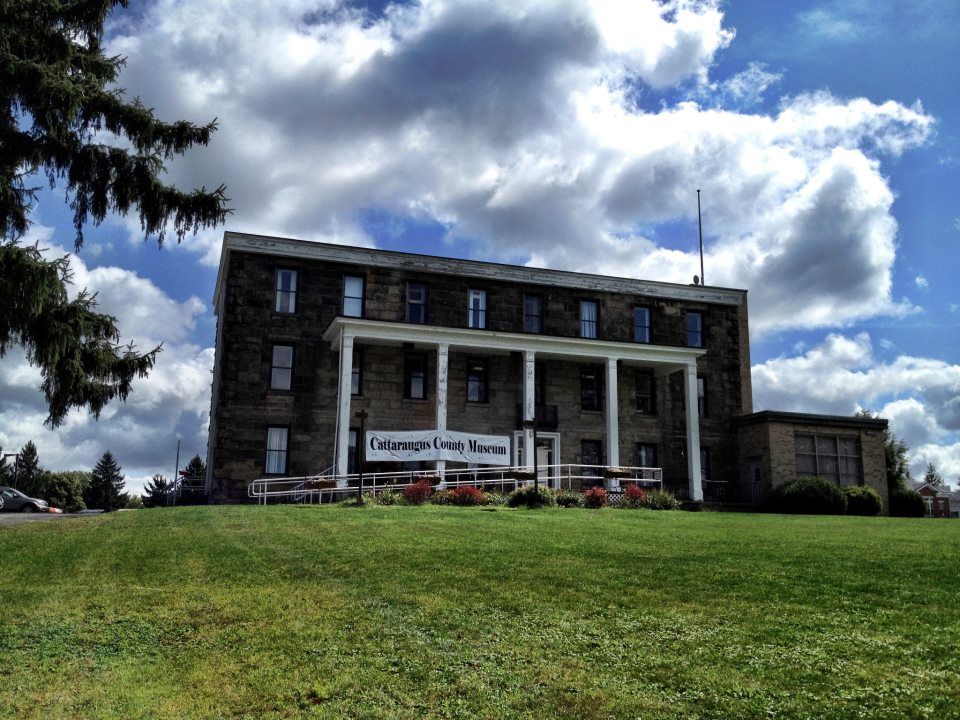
{"points": [[862, 500], [808, 496], [906, 503]]}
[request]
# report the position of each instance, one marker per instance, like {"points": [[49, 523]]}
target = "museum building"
{"points": [[448, 356]]}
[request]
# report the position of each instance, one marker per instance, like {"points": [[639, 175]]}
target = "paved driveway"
{"points": [[17, 518]]}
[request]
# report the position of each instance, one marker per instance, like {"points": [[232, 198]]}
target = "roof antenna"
{"points": [[703, 280]]}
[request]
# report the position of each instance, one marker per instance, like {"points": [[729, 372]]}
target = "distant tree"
{"points": [[6, 469], [155, 491], [196, 468], [28, 476], [895, 452], [106, 485], [932, 477], [65, 489], [133, 502], [62, 117]]}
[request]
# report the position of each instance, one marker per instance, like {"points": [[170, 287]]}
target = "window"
{"points": [[352, 296], [590, 398], [353, 451], [646, 393], [694, 329], [286, 299], [646, 455], [588, 318], [641, 324], [356, 373], [415, 377], [281, 367], [477, 309], [590, 457], [706, 472], [833, 457], [417, 303], [277, 441], [477, 381], [539, 385], [532, 314], [702, 396]]}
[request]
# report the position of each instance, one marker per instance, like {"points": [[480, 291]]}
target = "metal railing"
{"points": [[327, 487]]}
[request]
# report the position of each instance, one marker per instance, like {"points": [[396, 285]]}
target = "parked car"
{"points": [[12, 500]]}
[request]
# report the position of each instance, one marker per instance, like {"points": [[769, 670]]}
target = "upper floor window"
{"points": [[646, 393], [276, 454], [478, 381], [590, 398], [532, 314], [416, 303], [286, 297], [356, 373], [477, 309], [695, 329], [702, 396], [415, 377], [641, 324], [353, 296], [589, 312], [281, 367]]}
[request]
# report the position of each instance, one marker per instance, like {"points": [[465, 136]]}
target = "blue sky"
{"points": [[824, 136]]}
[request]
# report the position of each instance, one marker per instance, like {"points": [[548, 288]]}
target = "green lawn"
{"points": [[406, 612]]}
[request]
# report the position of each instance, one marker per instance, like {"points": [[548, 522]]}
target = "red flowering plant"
{"points": [[418, 493], [467, 495], [595, 497], [634, 497]]}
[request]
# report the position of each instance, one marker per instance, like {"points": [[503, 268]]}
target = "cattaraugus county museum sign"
{"points": [[410, 446]]}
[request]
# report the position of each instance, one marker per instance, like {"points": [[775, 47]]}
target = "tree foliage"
{"points": [[895, 454], [932, 476], [105, 491], [63, 118], [155, 491], [196, 468], [65, 489], [28, 476]]}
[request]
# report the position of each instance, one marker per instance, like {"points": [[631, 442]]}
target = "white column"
{"points": [[613, 418], [693, 434], [529, 405], [442, 375], [343, 406]]}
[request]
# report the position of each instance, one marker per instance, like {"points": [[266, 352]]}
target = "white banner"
{"points": [[413, 445]]}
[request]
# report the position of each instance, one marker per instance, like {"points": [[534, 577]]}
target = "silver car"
{"points": [[12, 500]]}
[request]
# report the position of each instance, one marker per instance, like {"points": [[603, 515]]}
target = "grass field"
{"points": [[401, 612]]}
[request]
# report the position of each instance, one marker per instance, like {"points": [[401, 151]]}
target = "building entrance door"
{"points": [[548, 456]]}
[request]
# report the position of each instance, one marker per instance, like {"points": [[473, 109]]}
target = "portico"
{"points": [[344, 333]]}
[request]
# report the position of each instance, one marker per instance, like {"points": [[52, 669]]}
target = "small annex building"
{"points": [[444, 357]]}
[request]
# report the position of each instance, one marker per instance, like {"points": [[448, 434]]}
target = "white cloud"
{"points": [[922, 282]]}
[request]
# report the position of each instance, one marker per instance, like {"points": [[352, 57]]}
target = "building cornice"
{"points": [[795, 418], [345, 254], [665, 358]]}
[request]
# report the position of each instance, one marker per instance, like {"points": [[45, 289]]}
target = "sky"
{"points": [[823, 137]]}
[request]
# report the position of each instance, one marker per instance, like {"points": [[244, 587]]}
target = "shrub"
{"points": [[441, 497], [466, 496], [661, 500], [809, 496], [418, 493], [595, 497], [494, 498], [862, 500], [532, 496], [634, 496], [907, 503], [569, 498], [388, 497]]}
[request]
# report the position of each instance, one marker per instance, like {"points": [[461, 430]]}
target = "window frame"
{"points": [[420, 305], [482, 383], [706, 465], [592, 472], [353, 450], [283, 453], [703, 406], [849, 467], [362, 297], [533, 323], [597, 381], [274, 367], [650, 393], [647, 328], [477, 317], [356, 372], [289, 294], [585, 323], [698, 335], [638, 454], [410, 359]]}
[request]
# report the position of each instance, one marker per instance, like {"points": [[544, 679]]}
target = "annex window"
{"points": [[695, 329], [477, 309], [646, 393], [589, 312], [417, 303], [532, 314], [415, 377], [646, 455], [276, 457], [832, 457], [286, 297], [478, 383], [356, 373], [353, 296], [590, 397], [702, 406], [641, 324], [281, 367]]}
